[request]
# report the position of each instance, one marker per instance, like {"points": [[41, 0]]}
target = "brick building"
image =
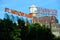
{"points": [[45, 19]]}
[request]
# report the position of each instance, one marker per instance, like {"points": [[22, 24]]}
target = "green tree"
{"points": [[4, 28], [9, 30], [37, 32], [57, 38]]}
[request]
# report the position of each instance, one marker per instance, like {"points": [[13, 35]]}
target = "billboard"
{"points": [[46, 12]]}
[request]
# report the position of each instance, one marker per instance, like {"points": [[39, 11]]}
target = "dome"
{"points": [[32, 6], [33, 9]]}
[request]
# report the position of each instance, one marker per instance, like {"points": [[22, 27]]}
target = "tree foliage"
{"points": [[11, 31], [37, 32]]}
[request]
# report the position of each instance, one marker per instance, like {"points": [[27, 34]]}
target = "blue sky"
{"points": [[23, 5]]}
